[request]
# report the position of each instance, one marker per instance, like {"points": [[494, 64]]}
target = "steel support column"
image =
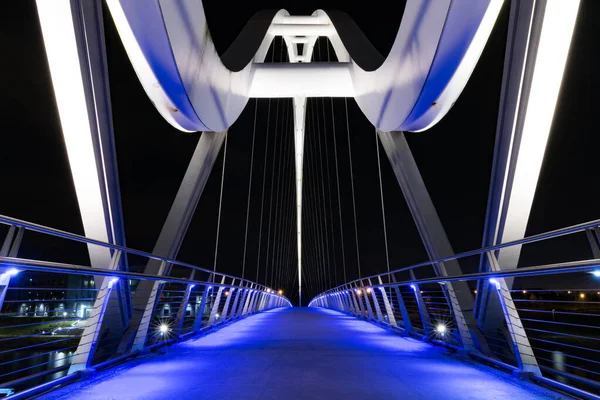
{"points": [[73, 32], [173, 233], [518, 336], [88, 343], [539, 35], [430, 229]]}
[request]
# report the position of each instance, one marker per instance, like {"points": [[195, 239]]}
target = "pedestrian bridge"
{"points": [[87, 317], [303, 353]]}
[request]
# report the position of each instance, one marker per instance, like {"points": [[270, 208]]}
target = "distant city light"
{"points": [[218, 315], [368, 290], [280, 292], [163, 329], [358, 292], [227, 293], [475, 291], [65, 314], [596, 273], [582, 295], [569, 292], [524, 292]]}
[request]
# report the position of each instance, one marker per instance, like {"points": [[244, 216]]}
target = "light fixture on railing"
{"points": [[11, 272], [495, 282], [163, 329], [441, 329], [112, 282]]}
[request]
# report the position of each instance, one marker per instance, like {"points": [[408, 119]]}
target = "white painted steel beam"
{"points": [[539, 37], [273, 80]]}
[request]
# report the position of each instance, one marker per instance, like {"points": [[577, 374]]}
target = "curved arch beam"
{"points": [[434, 53]]}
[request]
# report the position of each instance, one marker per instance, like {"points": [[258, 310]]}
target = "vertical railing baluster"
{"points": [[520, 341]]}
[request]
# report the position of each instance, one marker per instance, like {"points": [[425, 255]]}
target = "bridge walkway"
{"points": [[302, 353]]}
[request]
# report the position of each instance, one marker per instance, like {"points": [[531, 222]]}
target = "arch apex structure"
{"points": [[435, 51]]}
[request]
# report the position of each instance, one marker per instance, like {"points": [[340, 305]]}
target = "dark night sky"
{"points": [[455, 156]]}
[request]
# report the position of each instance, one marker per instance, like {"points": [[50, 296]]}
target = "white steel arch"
{"points": [[434, 53]]}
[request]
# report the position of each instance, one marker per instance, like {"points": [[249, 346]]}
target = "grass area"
{"points": [[31, 325]]}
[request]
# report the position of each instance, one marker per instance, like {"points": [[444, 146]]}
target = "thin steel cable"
{"points": [[271, 186], [385, 236], [262, 201], [278, 200], [220, 203], [330, 213], [249, 188], [337, 178], [352, 185], [320, 253], [312, 251], [324, 220]]}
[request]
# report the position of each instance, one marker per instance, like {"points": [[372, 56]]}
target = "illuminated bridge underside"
{"points": [[302, 354]]}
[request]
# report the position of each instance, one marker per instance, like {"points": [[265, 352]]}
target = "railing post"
{"points": [[149, 302], [427, 327], [178, 323], [520, 342], [251, 292], [10, 248], [240, 308], [405, 316], [459, 316], [386, 302], [239, 291], [375, 302], [357, 293], [200, 312], [215, 308], [89, 339], [229, 295], [366, 292]]}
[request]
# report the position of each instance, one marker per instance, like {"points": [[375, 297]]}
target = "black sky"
{"points": [[454, 157]]}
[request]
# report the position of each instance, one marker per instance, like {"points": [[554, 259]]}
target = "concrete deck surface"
{"points": [[302, 353]]}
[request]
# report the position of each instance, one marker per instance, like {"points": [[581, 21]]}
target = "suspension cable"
{"points": [[352, 185], [249, 188], [317, 215], [220, 203], [337, 178], [262, 200], [326, 158], [385, 237], [271, 186]]}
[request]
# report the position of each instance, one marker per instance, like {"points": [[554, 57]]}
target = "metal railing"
{"points": [[541, 321], [60, 320]]}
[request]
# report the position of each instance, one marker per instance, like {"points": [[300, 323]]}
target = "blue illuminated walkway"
{"points": [[302, 354]]}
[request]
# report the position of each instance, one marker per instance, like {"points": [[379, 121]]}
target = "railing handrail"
{"points": [[56, 267], [530, 239], [546, 269], [82, 239]]}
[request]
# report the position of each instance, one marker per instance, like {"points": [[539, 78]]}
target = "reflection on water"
{"points": [[19, 364]]}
